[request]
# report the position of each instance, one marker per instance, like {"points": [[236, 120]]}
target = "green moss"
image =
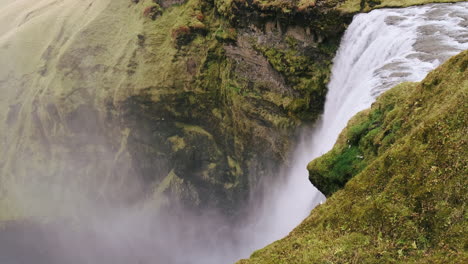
{"points": [[334, 169], [152, 11], [225, 33], [407, 204], [354, 6], [305, 75], [283, 6], [235, 166], [235, 10], [177, 142], [169, 90], [166, 183], [367, 134], [194, 129], [224, 7]]}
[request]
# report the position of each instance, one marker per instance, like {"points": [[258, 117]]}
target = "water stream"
{"points": [[379, 50]]}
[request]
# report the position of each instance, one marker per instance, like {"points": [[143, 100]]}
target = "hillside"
{"points": [[197, 100], [133, 130], [134, 99], [396, 181]]}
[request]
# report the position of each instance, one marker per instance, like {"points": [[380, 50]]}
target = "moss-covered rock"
{"points": [[116, 96], [369, 133], [398, 179], [139, 91], [368, 5]]}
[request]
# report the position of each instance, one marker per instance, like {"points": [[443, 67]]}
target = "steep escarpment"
{"points": [[196, 100], [130, 99], [396, 180]]}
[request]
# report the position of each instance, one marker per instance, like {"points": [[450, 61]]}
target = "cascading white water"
{"points": [[379, 50], [384, 48]]}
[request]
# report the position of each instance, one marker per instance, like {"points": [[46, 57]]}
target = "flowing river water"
{"points": [[379, 50]]}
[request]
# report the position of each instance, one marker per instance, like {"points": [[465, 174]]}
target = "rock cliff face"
{"points": [[197, 100], [396, 180]]}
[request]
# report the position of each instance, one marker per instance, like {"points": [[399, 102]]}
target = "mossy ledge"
{"points": [[397, 180]]}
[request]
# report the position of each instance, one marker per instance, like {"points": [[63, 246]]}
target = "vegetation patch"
{"points": [[308, 77], [152, 11], [354, 6]]}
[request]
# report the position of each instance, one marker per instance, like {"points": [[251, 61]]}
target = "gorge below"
{"points": [[378, 51]]}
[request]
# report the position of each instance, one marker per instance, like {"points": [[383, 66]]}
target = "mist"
{"points": [[80, 200], [83, 202]]}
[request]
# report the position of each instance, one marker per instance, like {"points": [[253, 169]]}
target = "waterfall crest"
{"points": [[384, 48]]}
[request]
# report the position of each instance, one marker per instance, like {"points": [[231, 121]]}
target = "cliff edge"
{"points": [[396, 181]]}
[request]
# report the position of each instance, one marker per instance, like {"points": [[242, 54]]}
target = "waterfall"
{"points": [[378, 51], [382, 49]]}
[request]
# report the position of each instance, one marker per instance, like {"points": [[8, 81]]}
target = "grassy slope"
{"points": [[345, 6], [408, 202], [32, 32], [51, 84], [367, 5]]}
